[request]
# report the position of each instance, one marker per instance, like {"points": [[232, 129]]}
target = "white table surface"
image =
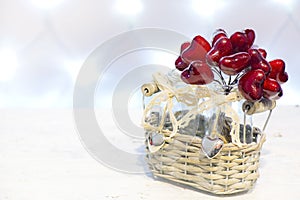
{"points": [[41, 157]]}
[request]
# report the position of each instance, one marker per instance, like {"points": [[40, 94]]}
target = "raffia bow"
{"points": [[189, 95]]}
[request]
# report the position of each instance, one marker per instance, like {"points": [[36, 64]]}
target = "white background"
{"points": [[43, 44]]}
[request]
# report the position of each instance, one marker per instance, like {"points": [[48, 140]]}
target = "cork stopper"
{"points": [[149, 89], [263, 105]]}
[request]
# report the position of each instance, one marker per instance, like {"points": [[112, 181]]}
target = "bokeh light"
{"points": [[129, 7], [8, 64]]}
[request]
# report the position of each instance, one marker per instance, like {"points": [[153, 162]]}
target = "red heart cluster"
{"points": [[234, 56]]}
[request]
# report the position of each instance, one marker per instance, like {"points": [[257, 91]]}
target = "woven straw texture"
{"points": [[181, 160]]}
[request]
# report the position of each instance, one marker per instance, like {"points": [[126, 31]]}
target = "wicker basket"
{"points": [[180, 158]]}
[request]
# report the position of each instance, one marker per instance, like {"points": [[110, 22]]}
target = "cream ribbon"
{"points": [[190, 96]]}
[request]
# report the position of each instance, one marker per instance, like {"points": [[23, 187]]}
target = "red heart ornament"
{"points": [[250, 84], [221, 48], [235, 63], [219, 33], [278, 71], [184, 46], [272, 89], [240, 42], [263, 52], [180, 64], [198, 73], [258, 61], [251, 36], [196, 50]]}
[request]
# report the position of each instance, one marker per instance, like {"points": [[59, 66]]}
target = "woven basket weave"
{"points": [[181, 160]]}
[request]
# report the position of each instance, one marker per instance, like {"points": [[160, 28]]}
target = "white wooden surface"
{"points": [[41, 157]]}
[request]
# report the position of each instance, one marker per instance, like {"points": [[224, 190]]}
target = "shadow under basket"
{"points": [[181, 159]]}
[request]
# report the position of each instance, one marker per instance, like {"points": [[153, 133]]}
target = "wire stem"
{"points": [[229, 81]]}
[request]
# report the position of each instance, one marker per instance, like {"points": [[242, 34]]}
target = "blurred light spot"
{"points": [[8, 64], [207, 7], [289, 4], [129, 7], [46, 4]]}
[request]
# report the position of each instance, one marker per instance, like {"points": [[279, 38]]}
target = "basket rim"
{"points": [[196, 141]]}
